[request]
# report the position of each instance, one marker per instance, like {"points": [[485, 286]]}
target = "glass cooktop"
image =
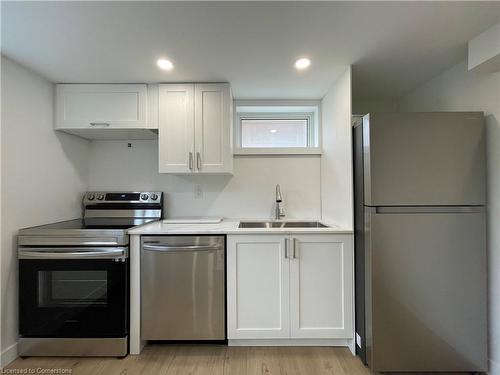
{"points": [[95, 223]]}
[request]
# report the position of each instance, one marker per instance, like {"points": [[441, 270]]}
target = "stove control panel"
{"points": [[107, 197]]}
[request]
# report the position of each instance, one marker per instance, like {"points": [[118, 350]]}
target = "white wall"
{"points": [[43, 176], [484, 51], [460, 90], [250, 193], [336, 163], [364, 106]]}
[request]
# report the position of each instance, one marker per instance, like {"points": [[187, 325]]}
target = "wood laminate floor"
{"points": [[208, 360]]}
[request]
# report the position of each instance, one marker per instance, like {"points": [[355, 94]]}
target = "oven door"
{"points": [[73, 297]]}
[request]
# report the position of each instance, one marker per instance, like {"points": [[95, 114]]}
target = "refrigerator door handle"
{"points": [[428, 209]]}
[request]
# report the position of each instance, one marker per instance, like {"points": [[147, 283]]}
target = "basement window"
{"points": [[270, 129]]}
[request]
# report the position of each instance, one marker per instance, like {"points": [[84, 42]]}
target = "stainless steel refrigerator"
{"points": [[420, 247]]}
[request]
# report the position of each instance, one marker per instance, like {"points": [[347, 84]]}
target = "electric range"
{"points": [[74, 277]]}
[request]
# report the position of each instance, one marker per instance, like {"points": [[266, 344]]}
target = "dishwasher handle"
{"points": [[165, 248]]}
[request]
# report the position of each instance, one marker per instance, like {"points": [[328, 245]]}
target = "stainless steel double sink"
{"points": [[282, 224]]}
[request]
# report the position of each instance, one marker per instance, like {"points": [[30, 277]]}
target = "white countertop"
{"points": [[228, 226]]}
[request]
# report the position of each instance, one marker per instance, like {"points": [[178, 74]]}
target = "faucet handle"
{"points": [[282, 212]]}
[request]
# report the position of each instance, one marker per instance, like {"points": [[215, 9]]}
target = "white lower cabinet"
{"points": [[258, 275], [290, 286], [321, 286]]}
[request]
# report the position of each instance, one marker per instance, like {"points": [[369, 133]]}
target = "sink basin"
{"points": [[304, 224], [261, 224], [282, 224]]}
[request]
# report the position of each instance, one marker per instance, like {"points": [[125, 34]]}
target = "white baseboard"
{"points": [[352, 347], [8, 355], [291, 342], [494, 367]]}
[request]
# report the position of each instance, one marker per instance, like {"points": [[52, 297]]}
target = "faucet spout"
{"points": [[278, 194]]}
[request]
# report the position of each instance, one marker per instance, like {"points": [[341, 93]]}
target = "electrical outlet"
{"points": [[198, 191]]}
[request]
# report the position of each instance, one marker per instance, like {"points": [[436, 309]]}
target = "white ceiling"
{"points": [[393, 46]]}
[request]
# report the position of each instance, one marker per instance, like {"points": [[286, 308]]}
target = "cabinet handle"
{"points": [[286, 248], [198, 161], [294, 248], [191, 161], [105, 124]]}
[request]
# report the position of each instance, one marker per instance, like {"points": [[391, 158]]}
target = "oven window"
{"points": [[72, 288]]}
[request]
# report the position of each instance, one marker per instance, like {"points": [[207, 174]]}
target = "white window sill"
{"points": [[278, 151]]}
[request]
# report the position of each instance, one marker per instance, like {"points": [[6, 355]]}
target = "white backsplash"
{"points": [[249, 193]]}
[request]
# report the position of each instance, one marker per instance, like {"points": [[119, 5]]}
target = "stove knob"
{"points": [[144, 197], [91, 197], [154, 197], [100, 197]]}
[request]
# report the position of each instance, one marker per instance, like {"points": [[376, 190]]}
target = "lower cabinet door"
{"points": [[257, 287], [321, 286]]}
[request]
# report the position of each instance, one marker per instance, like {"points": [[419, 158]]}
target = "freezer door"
{"points": [[427, 289], [424, 158]]}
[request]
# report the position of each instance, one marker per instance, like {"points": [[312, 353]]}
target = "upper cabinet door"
{"points": [[321, 286], [213, 106], [120, 106], [176, 128]]}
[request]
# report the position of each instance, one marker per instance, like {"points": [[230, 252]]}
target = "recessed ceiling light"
{"points": [[165, 64], [302, 63], [273, 130]]}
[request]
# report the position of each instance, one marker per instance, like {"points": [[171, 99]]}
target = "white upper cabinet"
{"points": [[106, 111], [195, 128], [213, 116], [176, 133]]}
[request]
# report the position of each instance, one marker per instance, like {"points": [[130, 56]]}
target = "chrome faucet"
{"points": [[279, 212]]}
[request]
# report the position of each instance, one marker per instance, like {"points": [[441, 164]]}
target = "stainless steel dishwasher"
{"points": [[183, 288]]}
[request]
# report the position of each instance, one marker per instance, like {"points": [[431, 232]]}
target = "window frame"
{"points": [[271, 109]]}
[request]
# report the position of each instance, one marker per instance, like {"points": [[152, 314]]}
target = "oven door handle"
{"points": [[73, 253]]}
